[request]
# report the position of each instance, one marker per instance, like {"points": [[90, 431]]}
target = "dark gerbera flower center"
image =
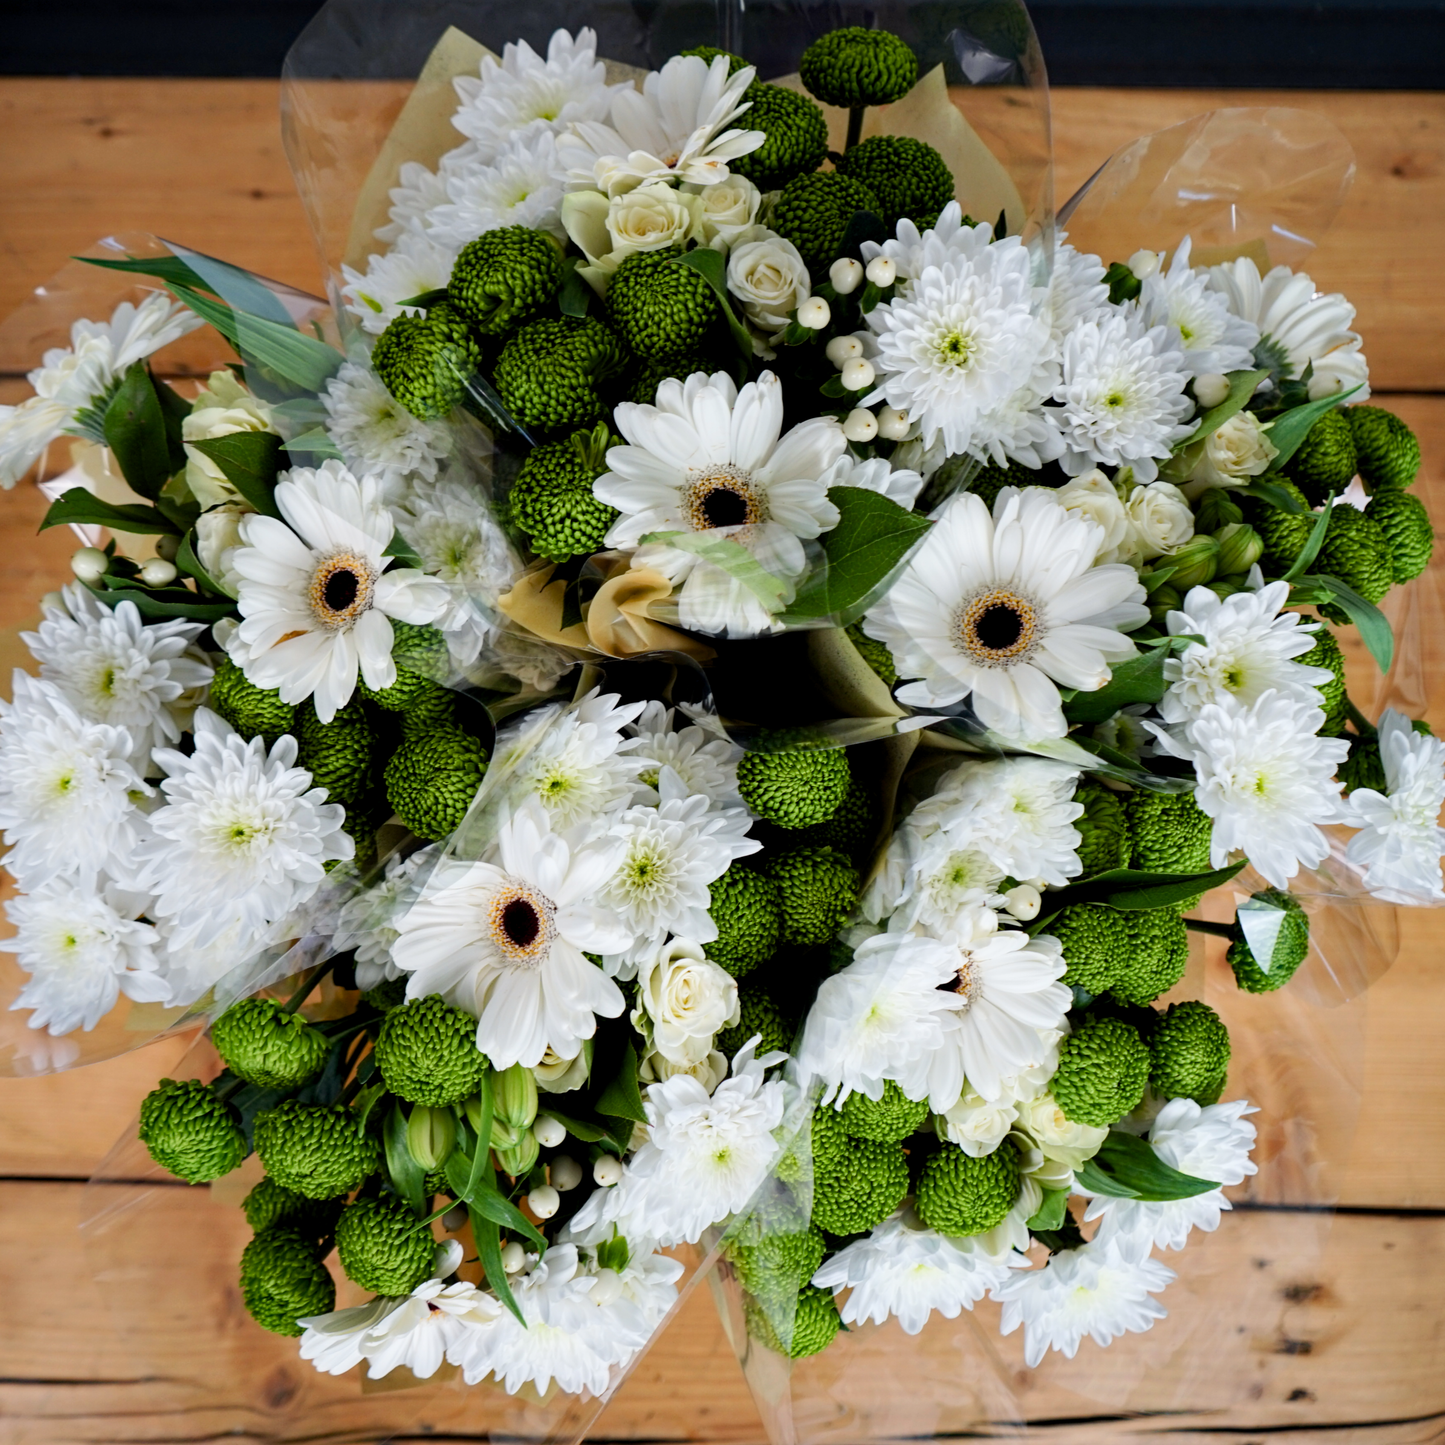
{"points": [[340, 589], [520, 922], [723, 496], [724, 508], [997, 627]]}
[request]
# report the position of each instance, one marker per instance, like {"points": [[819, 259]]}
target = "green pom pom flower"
{"points": [[553, 374], [795, 789], [1171, 834], [797, 136], [907, 177], [747, 907], [1325, 461], [1156, 955], [390, 993], [422, 661], [263, 1044], [709, 53], [1103, 1068], [1386, 449], [427, 1053], [1284, 534], [813, 212], [760, 1014], [991, 479], [659, 306], [341, 755], [814, 1323], [961, 1195], [777, 1265], [1363, 768], [426, 362], [1094, 939], [1409, 535], [652, 371], [432, 779], [1355, 551], [283, 1281], [850, 830], [255, 712], [189, 1131], [318, 1150], [270, 1204], [505, 277], [852, 67], [857, 1183], [1103, 829], [874, 653], [1289, 944], [1326, 653], [1190, 1052], [889, 1120], [381, 1248], [552, 500], [819, 888]]}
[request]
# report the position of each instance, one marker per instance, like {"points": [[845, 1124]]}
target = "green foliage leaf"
{"points": [[1097, 1181], [169, 269], [1241, 388], [733, 558], [164, 603], [79, 505], [1272, 493], [583, 1129], [873, 537], [1127, 1167], [1374, 627], [1291, 427], [402, 550], [1052, 1212], [249, 460], [135, 431], [491, 1205], [1313, 543], [489, 1250], [1140, 679], [576, 295], [407, 1176], [1132, 888], [315, 443], [713, 269], [367, 1100], [189, 563], [622, 1099], [1123, 284]]}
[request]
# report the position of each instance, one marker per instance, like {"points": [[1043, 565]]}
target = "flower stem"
{"points": [[855, 126], [1363, 725], [1203, 925], [307, 984]]}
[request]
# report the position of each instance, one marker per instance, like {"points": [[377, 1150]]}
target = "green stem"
{"points": [[227, 1091], [307, 984], [1203, 925], [855, 126], [1363, 725]]}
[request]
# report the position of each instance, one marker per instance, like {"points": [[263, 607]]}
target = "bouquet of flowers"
{"points": [[692, 709]]}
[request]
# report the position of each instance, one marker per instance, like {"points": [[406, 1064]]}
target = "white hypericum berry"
{"points": [[514, 1257], [89, 564], [843, 349], [607, 1171], [607, 1288], [565, 1173], [1144, 263], [548, 1132], [893, 424], [1211, 389], [860, 425], [846, 274], [1023, 902], [814, 313], [881, 271], [858, 373], [544, 1201], [157, 572]]}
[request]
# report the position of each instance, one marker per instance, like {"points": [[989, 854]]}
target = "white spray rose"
{"points": [[1094, 497], [977, 1126], [218, 534], [768, 276], [608, 230], [728, 209], [1057, 1137], [1234, 452], [221, 407], [687, 998], [1161, 520], [709, 1071], [560, 1076]]}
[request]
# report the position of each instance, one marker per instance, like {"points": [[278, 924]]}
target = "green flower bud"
{"points": [[1223, 587], [1240, 547], [505, 1135], [1216, 510], [519, 1160], [1164, 600], [431, 1135], [1195, 563], [514, 1092]]}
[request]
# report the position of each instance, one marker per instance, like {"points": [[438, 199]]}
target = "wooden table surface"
{"points": [[1320, 1331]]}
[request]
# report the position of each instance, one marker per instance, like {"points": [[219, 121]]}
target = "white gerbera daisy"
{"points": [[526, 94], [705, 760], [674, 128], [243, 837], [505, 941], [908, 1271], [67, 789], [875, 474], [82, 945], [1121, 399], [1004, 608], [1095, 1290], [958, 341], [72, 377], [522, 187], [452, 529], [575, 761], [417, 193], [1265, 778], [376, 435], [116, 669], [1215, 340], [1213, 1142], [416, 264], [1298, 327], [709, 458], [1247, 650], [315, 597], [1400, 841]]}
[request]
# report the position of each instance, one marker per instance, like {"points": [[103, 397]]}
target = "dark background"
{"points": [[1345, 44]]}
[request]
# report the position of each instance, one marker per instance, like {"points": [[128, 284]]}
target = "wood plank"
{"points": [[1279, 1320]]}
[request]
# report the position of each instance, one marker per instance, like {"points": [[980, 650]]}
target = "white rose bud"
{"points": [[157, 572], [893, 424], [860, 425], [544, 1201], [564, 1173], [1161, 519], [814, 313], [769, 277], [1322, 384], [89, 564], [1094, 498], [1144, 264], [560, 1076], [548, 1131], [846, 274], [857, 373], [843, 349], [650, 218], [881, 271], [977, 1126], [1211, 389], [218, 534], [728, 209], [222, 407], [688, 998], [1057, 1137], [514, 1257], [1233, 452], [607, 1171]]}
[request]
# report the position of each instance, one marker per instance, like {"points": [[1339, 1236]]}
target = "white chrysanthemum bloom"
{"points": [[670, 853], [418, 191], [1004, 609], [949, 239], [644, 1292], [1298, 326], [1096, 1291], [674, 128], [1215, 339], [1121, 399], [522, 187], [315, 596], [82, 946], [416, 264], [526, 94], [1126, 732], [908, 1271], [242, 839], [1019, 428], [71, 377], [1265, 778], [376, 435], [875, 474], [931, 879], [366, 922], [506, 941], [1247, 650], [454, 532], [704, 1158], [1400, 841], [577, 761], [1212, 1142], [1077, 290], [67, 789], [958, 341], [707, 457], [116, 669], [705, 760]]}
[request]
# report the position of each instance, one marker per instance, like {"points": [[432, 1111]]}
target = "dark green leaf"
{"points": [[1374, 626], [407, 1176], [169, 269], [1290, 428], [1133, 888], [1140, 679], [834, 389], [181, 515], [1272, 493], [248, 460], [367, 1100], [1313, 543], [175, 409], [402, 550], [622, 1099], [314, 442], [188, 562], [489, 1249], [862, 226], [1241, 388], [587, 1132], [1154, 579], [490, 1204], [1070, 1236], [135, 432], [1131, 1164], [79, 505], [1123, 284], [1096, 1181], [576, 295], [711, 266], [873, 537], [1052, 1212], [168, 602], [1167, 895]]}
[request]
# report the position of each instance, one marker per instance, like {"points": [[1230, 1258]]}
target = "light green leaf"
{"points": [[711, 266], [314, 442], [1374, 626], [1140, 679], [1131, 1165], [407, 1176], [1051, 1213], [1313, 543], [1272, 493], [1290, 428], [732, 558], [1241, 388]]}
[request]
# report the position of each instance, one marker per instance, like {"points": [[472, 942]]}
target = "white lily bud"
{"points": [[1144, 263], [846, 274], [607, 1171], [157, 572], [881, 272], [858, 373], [814, 313], [860, 425], [514, 1257], [565, 1173], [1211, 389], [544, 1201], [90, 564], [843, 349], [893, 424], [548, 1132], [1023, 902]]}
